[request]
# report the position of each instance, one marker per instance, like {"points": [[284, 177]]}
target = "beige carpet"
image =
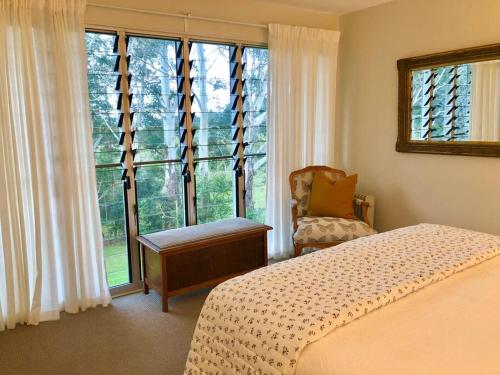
{"points": [[132, 336]]}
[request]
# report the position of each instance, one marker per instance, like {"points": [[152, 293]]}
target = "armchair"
{"points": [[322, 232]]}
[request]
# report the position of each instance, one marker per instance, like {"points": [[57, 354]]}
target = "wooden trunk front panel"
{"points": [[197, 266], [154, 271]]}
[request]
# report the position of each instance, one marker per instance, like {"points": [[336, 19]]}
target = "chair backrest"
{"points": [[301, 181]]}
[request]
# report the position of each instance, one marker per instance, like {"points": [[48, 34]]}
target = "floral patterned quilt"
{"points": [[260, 322]]}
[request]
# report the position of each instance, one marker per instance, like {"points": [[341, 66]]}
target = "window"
{"points": [[179, 137]]}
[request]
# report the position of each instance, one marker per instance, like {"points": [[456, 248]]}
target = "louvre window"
{"points": [[179, 136]]}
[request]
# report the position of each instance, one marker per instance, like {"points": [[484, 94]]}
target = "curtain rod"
{"points": [[178, 15]]}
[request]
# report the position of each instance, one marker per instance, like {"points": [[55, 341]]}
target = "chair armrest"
{"points": [[294, 214], [364, 207]]}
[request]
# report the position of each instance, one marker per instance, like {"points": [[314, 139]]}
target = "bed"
{"points": [[353, 309]]}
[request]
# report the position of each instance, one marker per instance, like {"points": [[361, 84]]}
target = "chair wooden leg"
{"points": [[298, 250]]}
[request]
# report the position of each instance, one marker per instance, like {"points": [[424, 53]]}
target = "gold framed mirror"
{"points": [[449, 103]]}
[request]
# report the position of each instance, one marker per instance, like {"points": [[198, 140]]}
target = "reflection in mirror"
{"points": [[456, 103]]}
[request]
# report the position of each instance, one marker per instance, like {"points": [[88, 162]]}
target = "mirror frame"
{"points": [[405, 67]]}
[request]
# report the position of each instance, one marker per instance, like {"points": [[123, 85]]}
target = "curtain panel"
{"points": [[51, 252], [485, 101], [302, 72]]}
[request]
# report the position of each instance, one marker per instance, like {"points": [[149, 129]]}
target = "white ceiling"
{"points": [[333, 6]]}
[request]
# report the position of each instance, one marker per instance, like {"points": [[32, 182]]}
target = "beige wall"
{"points": [[411, 188], [251, 11]]}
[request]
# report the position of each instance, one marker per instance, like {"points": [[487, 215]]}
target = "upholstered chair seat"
{"points": [[314, 229]]}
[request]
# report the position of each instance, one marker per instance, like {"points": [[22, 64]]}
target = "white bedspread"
{"points": [[261, 322], [450, 327]]}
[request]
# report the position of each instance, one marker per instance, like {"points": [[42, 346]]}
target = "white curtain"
{"points": [[303, 68], [51, 253], [485, 101]]}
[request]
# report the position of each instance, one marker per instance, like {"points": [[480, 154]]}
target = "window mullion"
{"points": [[186, 127], [431, 103], [237, 116], [127, 160], [453, 121]]}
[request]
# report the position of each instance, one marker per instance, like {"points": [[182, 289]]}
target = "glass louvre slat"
{"points": [[256, 133], [253, 118], [258, 104], [102, 121], [212, 120], [156, 112], [219, 143], [153, 87], [214, 103], [150, 94], [101, 66], [212, 151], [102, 83], [107, 157], [107, 141], [154, 137], [256, 148], [153, 154], [103, 102]]}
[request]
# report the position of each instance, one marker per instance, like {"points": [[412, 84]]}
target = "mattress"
{"points": [[451, 327]]}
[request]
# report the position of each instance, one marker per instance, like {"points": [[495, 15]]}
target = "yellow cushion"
{"points": [[332, 198]]}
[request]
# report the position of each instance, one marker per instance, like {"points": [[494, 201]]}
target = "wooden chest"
{"points": [[180, 260]]}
